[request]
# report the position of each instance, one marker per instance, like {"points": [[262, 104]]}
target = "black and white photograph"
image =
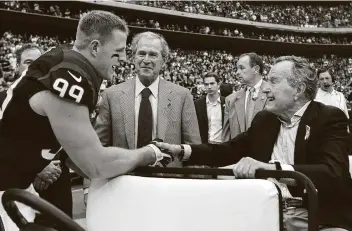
{"points": [[153, 115]]}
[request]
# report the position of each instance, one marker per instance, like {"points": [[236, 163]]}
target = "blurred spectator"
{"points": [[327, 94]]}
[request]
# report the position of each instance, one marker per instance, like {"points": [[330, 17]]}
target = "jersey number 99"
{"points": [[74, 91]]}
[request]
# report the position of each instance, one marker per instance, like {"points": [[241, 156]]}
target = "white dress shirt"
{"points": [[214, 120], [284, 148], [255, 93], [333, 98], [153, 98]]}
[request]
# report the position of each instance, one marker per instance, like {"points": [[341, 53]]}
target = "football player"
{"points": [[47, 109]]}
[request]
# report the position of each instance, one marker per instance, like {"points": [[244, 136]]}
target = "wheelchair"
{"points": [[146, 177]]}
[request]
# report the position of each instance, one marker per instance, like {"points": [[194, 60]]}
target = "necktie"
{"points": [[145, 120], [250, 107]]}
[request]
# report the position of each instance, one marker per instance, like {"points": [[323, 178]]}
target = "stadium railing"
{"points": [[150, 200]]}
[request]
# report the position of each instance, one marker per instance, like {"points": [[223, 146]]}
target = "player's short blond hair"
{"points": [[99, 25]]}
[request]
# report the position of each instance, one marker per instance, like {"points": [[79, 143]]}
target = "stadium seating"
{"points": [[182, 204]]}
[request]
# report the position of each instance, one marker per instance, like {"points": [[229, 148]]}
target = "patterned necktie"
{"points": [[145, 120]]}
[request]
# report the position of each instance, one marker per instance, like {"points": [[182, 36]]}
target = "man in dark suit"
{"points": [[210, 110], [293, 133]]}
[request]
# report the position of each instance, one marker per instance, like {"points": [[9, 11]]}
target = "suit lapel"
{"points": [[222, 100], [261, 100], [305, 124], [239, 105], [204, 111], [266, 144], [128, 102], [164, 106]]}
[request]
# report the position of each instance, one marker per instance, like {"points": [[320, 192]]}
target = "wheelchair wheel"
{"points": [[9, 198]]}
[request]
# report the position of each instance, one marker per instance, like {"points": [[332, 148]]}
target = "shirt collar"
{"points": [[257, 86], [154, 87], [297, 116], [208, 101], [333, 92]]}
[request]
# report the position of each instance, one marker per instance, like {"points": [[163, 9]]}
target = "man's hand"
{"points": [[172, 149], [51, 172], [247, 167], [40, 185], [163, 157]]}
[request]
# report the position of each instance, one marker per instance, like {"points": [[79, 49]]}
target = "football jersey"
{"points": [[27, 141]]}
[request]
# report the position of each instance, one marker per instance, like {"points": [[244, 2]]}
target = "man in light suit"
{"points": [[171, 115], [243, 105]]}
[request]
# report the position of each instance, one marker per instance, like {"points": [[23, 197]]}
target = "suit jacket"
{"points": [[235, 115], [176, 119], [2, 97], [322, 156], [202, 116]]}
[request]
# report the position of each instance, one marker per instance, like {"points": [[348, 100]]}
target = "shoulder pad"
{"points": [[69, 84]]}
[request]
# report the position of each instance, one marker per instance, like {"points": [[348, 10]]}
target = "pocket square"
{"points": [[307, 133]]}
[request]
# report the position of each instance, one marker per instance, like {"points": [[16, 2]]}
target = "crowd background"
{"points": [[318, 14], [237, 32], [186, 66]]}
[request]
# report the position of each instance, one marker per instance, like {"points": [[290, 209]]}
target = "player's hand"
{"points": [[51, 172], [163, 156], [172, 149]]}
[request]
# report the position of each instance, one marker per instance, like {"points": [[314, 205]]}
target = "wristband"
{"points": [[157, 152], [278, 165]]}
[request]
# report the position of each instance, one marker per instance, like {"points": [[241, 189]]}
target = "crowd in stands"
{"points": [[54, 10], [183, 67], [295, 14]]}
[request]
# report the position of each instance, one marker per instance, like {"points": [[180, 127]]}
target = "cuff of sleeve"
{"points": [[157, 152], [287, 167], [86, 190], [188, 152]]}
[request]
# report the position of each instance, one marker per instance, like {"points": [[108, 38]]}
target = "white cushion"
{"points": [[132, 203]]}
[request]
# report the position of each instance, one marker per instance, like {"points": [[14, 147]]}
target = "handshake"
{"points": [[165, 153]]}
